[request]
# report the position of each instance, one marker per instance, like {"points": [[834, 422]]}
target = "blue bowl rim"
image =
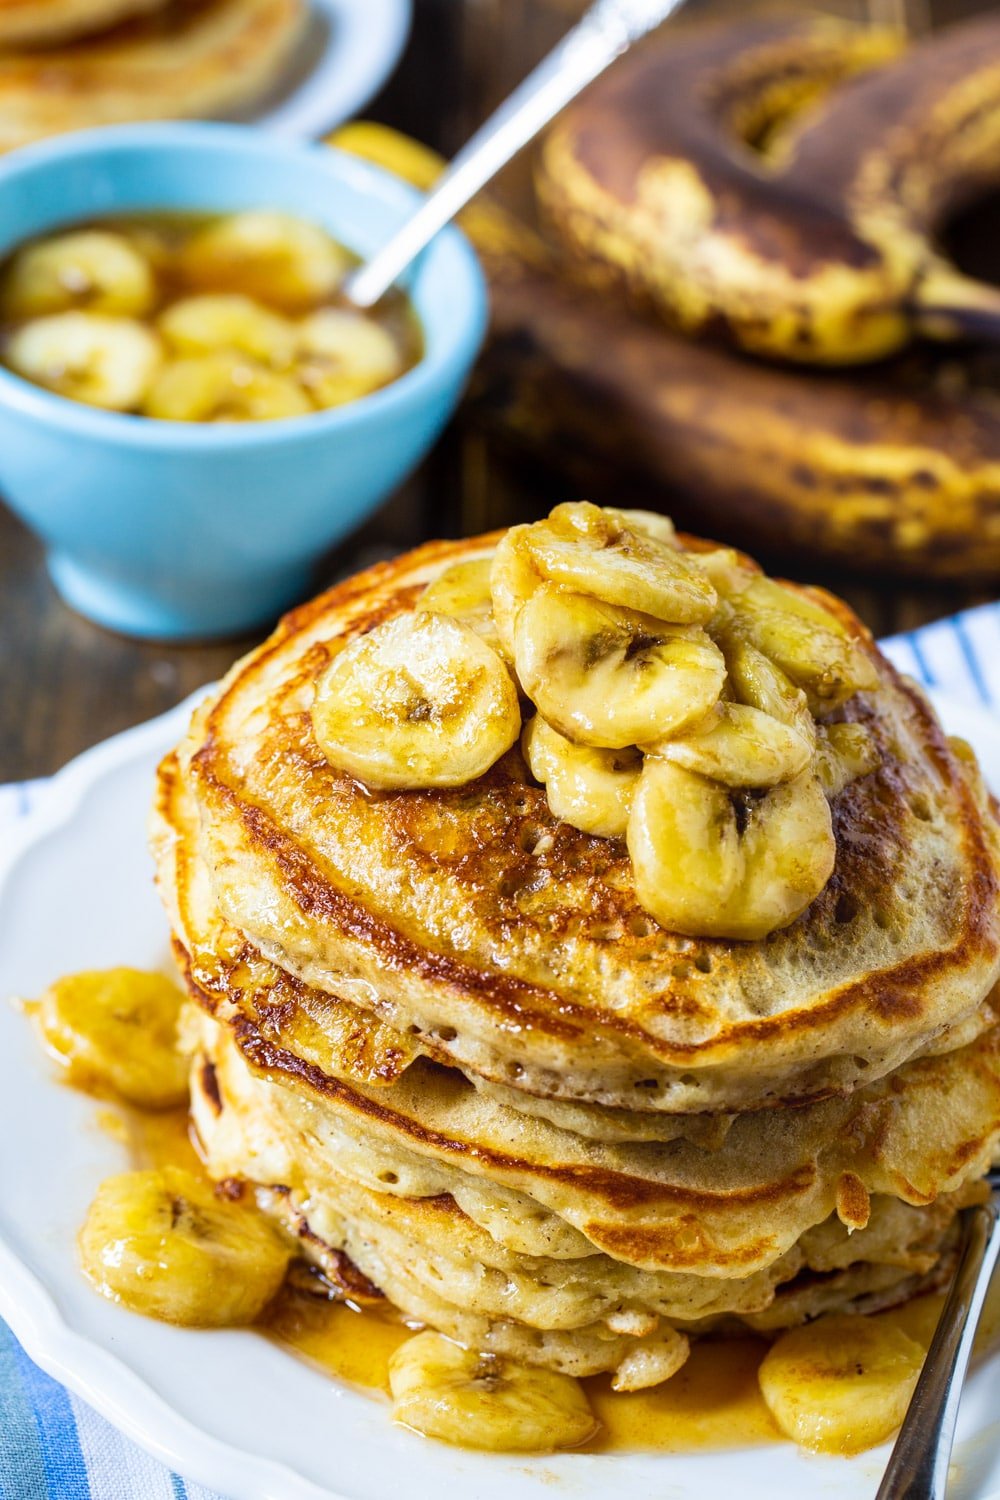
{"points": [[448, 356]]}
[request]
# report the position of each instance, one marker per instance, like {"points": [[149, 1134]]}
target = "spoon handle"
{"points": [[606, 30], [918, 1466]]}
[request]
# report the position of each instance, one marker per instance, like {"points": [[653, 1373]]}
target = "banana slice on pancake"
{"points": [[420, 701], [463, 591], [611, 677], [90, 269], [223, 387], [590, 789], [271, 256], [163, 1243], [740, 746], [805, 641], [711, 866], [482, 1401], [844, 753], [91, 357], [230, 323]]}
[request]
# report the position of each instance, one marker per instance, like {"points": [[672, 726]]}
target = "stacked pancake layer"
{"points": [[438, 1033]]}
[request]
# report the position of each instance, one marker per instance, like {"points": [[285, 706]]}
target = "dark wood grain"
{"points": [[65, 683]]}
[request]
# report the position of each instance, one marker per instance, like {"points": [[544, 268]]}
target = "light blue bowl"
{"points": [[174, 530]]}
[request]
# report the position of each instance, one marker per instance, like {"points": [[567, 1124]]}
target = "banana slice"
{"points": [[115, 1030], [344, 355], [278, 259], [845, 753], [420, 701], [755, 680], [103, 361], [463, 591], [513, 580], [841, 1384], [611, 677], [480, 1401], [807, 642], [231, 324], [223, 388], [164, 1244], [90, 269], [589, 789], [702, 870], [597, 552], [739, 746], [650, 523]]}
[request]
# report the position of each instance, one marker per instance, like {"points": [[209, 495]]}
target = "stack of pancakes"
{"points": [[438, 1033], [70, 64]]}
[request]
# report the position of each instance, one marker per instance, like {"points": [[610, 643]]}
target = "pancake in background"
{"points": [[27, 23], [192, 58]]}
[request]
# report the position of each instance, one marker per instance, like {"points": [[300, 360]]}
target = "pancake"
{"points": [[32, 22], [513, 946], [192, 58]]}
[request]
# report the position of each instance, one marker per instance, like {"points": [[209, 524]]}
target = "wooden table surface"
{"points": [[65, 683]]}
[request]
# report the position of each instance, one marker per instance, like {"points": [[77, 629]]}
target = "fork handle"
{"points": [[918, 1466]]}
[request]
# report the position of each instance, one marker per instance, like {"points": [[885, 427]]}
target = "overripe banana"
{"points": [[482, 1401], [823, 254]]}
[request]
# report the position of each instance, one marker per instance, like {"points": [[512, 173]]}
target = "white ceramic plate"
{"points": [[349, 50], [227, 1408]]}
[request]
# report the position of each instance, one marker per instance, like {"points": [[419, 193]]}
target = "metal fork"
{"points": [[918, 1466], [606, 30]]}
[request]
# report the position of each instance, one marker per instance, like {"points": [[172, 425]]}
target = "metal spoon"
{"points": [[918, 1465], [606, 30]]}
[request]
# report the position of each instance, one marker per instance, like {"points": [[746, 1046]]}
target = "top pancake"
{"points": [[514, 942]]}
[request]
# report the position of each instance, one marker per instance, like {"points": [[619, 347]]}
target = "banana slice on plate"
{"points": [[271, 256], [223, 388], [589, 789], [230, 323], [740, 746], [165, 1244], [115, 1030], [708, 866], [343, 355], [90, 269], [611, 677], [463, 591], [420, 701], [89, 357], [480, 1401], [842, 1383]]}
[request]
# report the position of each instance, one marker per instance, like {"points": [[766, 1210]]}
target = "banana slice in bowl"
{"points": [[103, 361], [273, 257], [343, 355], [223, 387], [481, 1401], [90, 269], [228, 323]]}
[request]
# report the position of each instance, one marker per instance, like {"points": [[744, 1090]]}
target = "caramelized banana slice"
{"points": [[807, 642], [278, 259], [841, 1384], [229, 323], [344, 355], [513, 580], [90, 269], [701, 870], [589, 789], [463, 591], [420, 701], [650, 523], [103, 361], [612, 677], [740, 747], [481, 1401], [223, 388], [756, 681], [597, 552], [845, 753], [164, 1244], [115, 1030]]}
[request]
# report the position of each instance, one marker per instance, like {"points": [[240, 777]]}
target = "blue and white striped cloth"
{"points": [[53, 1447]]}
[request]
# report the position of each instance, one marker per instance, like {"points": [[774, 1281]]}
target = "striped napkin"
{"points": [[53, 1447]]}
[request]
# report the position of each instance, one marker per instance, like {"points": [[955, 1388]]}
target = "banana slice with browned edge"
{"points": [[223, 387], [708, 866], [115, 1031], [165, 1244], [230, 323], [483, 1401], [611, 677], [589, 789], [844, 753], [273, 257], [806, 641], [755, 680], [740, 746], [842, 1383], [463, 591], [101, 360], [343, 355], [91, 270], [420, 701]]}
